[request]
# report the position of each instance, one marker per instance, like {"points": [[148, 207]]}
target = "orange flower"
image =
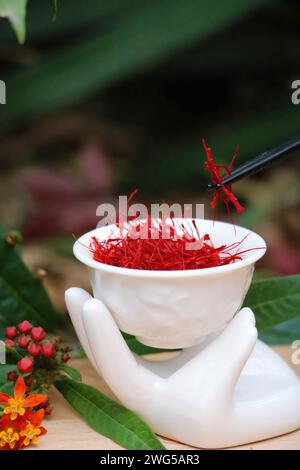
{"points": [[16, 405], [8, 438], [33, 429]]}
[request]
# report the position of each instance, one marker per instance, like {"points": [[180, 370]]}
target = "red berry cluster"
{"points": [[30, 338], [33, 340], [41, 357]]}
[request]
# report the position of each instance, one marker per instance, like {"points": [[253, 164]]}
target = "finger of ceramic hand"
{"points": [[237, 343], [75, 299], [129, 380], [218, 366]]}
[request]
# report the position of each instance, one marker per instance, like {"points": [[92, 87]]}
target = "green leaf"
{"points": [[12, 355], [274, 300], [139, 348], [54, 9], [70, 19], [108, 417], [6, 386], [138, 38], [70, 371], [15, 11], [284, 333], [21, 295]]}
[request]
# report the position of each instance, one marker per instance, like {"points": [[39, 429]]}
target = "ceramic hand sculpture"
{"points": [[225, 388], [227, 391]]}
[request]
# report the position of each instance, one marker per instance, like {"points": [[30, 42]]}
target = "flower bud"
{"points": [[9, 343], [23, 341], [48, 349], [38, 333], [40, 274], [25, 365], [34, 349], [12, 376], [24, 327], [65, 357], [11, 332]]}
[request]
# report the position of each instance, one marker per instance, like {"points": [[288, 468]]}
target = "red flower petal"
{"points": [[20, 388], [6, 447], [43, 430], [20, 422], [4, 397], [36, 418], [34, 400], [4, 421]]}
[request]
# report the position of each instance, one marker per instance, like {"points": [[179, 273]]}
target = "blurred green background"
{"points": [[117, 94]]}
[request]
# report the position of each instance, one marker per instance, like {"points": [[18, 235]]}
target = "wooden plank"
{"points": [[67, 430]]}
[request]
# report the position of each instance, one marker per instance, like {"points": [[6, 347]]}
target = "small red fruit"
{"points": [[9, 343], [23, 341], [38, 333], [48, 349], [65, 357], [25, 365], [11, 332], [24, 327], [34, 349], [12, 376]]}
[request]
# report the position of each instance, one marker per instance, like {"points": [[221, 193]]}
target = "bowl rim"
{"points": [[98, 266]]}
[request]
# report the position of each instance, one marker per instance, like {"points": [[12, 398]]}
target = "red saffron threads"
{"points": [[158, 253], [224, 193]]}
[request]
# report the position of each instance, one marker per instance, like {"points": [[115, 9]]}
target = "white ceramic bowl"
{"points": [[174, 309]]}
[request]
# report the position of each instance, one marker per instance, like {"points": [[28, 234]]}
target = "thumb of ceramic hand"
{"points": [[75, 299]]}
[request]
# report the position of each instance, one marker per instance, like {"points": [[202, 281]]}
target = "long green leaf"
{"points": [[275, 300], [21, 295], [107, 417], [137, 39], [70, 371], [284, 333], [15, 11]]}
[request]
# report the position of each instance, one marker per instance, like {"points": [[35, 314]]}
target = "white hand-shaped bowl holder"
{"points": [[226, 387]]}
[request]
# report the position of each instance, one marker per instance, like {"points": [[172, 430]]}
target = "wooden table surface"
{"points": [[67, 430]]}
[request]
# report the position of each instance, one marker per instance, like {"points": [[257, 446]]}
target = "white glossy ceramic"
{"points": [[175, 309], [225, 392]]}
